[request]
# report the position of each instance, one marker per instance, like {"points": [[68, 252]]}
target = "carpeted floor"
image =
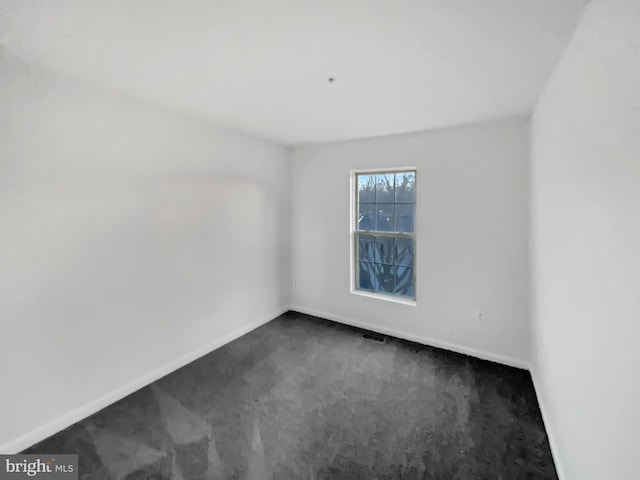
{"points": [[304, 398]]}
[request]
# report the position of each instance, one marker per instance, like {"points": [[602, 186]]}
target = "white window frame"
{"points": [[353, 225]]}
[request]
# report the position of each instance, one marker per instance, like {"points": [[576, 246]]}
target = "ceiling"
{"points": [[263, 66]]}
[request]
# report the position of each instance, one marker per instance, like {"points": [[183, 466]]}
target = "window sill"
{"points": [[386, 298]]}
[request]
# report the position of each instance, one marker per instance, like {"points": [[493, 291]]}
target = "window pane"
{"points": [[385, 188], [385, 217], [366, 188], [384, 250], [404, 218], [404, 252], [367, 278], [366, 248], [406, 187], [366, 216], [403, 282], [385, 275], [376, 277]]}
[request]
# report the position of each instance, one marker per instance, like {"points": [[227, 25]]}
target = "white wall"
{"points": [[129, 237], [472, 236], [586, 247]]}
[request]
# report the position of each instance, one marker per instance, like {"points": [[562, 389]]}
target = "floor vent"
{"points": [[373, 337]]}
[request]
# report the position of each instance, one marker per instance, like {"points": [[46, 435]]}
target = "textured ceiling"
{"points": [[263, 66]]}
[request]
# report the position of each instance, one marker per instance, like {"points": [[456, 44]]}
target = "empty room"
{"points": [[343, 239]]}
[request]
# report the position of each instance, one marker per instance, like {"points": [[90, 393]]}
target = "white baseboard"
{"points": [[65, 421], [547, 426], [512, 362]]}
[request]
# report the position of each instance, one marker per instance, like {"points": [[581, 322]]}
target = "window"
{"points": [[384, 233]]}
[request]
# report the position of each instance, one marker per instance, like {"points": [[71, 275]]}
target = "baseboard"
{"points": [[492, 357], [65, 421], [547, 426]]}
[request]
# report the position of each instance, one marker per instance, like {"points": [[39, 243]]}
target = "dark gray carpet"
{"points": [[305, 398]]}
